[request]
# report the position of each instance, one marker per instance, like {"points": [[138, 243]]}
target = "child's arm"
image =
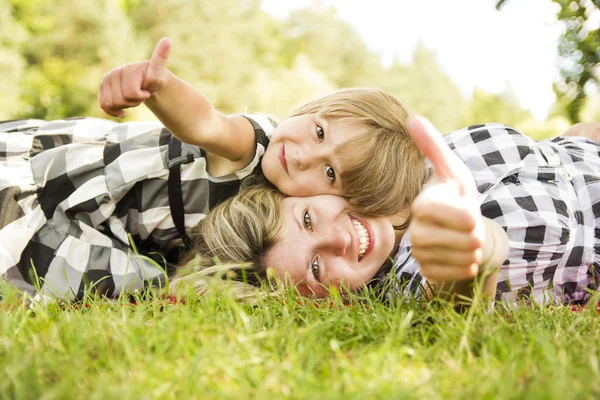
{"points": [[182, 109], [451, 240]]}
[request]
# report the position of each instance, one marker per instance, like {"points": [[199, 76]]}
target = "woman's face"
{"points": [[325, 244]]}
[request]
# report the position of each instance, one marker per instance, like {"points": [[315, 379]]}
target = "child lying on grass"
{"points": [[79, 197]]}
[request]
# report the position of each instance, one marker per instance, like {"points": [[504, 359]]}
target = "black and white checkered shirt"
{"points": [[546, 196], [72, 191]]}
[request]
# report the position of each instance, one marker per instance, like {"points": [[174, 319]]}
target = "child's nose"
{"points": [[302, 159], [336, 240], [307, 157]]}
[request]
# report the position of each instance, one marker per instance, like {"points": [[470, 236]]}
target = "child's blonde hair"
{"points": [[231, 243], [382, 170]]}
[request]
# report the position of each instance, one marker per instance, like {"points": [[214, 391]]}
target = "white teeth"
{"points": [[363, 237]]}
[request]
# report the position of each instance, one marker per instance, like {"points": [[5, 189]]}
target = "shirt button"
{"points": [[514, 179]]}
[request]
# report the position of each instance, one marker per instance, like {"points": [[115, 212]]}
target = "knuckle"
{"points": [[130, 97], [419, 207], [471, 271], [415, 236]]}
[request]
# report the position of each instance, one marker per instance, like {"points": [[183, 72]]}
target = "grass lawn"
{"points": [[217, 348]]}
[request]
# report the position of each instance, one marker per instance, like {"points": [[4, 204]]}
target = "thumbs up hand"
{"points": [[447, 230], [130, 84]]}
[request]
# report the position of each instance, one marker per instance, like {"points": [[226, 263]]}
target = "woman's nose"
{"points": [[336, 240]]}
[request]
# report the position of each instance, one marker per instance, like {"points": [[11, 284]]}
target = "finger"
{"points": [[157, 68], [115, 90], [442, 272], [160, 55], [107, 101], [445, 256], [431, 143], [436, 206], [446, 165], [131, 84], [427, 236], [101, 99]]}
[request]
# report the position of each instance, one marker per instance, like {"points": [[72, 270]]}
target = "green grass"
{"points": [[218, 348]]}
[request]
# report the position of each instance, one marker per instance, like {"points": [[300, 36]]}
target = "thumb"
{"points": [[428, 139], [447, 166], [160, 55], [156, 73]]}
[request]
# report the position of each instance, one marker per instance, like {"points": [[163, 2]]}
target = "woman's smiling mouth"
{"points": [[365, 241]]}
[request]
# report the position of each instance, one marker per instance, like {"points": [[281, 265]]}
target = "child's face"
{"points": [[300, 159], [326, 243]]}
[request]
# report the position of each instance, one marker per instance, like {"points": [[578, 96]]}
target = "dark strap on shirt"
{"points": [[175, 192]]}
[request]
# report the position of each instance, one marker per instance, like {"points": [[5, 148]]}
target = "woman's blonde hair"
{"points": [[382, 170], [229, 245]]}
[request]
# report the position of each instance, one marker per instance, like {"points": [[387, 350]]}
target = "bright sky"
{"points": [[476, 44]]}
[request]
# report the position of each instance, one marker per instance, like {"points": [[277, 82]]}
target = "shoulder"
{"points": [[489, 134], [263, 125], [491, 147]]}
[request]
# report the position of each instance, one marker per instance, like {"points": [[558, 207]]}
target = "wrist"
{"points": [[495, 248]]}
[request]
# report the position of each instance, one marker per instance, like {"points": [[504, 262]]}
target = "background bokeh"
{"points": [[53, 54]]}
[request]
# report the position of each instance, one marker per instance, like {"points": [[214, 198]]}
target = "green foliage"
{"points": [[71, 44], [55, 52], [334, 47], [427, 90], [503, 108], [12, 62], [579, 49], [219, 47]]}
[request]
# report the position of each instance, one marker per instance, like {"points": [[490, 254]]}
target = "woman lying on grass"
{"points": [[523, 213]]}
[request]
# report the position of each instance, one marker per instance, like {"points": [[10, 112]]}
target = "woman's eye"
{"points": [[314, 268], [320, 133], [330, 173], [307, 221]]}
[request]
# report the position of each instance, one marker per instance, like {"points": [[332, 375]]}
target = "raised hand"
{"points": [[130, 84], [447, 230]]}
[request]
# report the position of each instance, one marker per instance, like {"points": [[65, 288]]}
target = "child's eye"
{"points": [[307, 221], [330, 173], [315, 268], [320, 133]]}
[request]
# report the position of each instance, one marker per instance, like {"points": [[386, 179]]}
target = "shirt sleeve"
{"points": [[263, 125], [404, 280]]}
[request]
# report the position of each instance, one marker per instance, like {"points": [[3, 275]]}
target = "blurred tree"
{"points": [[426, 89], [591, 111], [220, 47], [503, 108], [72, 44], [579, 49], [12, 36], [284, 89], [333, 46]]}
